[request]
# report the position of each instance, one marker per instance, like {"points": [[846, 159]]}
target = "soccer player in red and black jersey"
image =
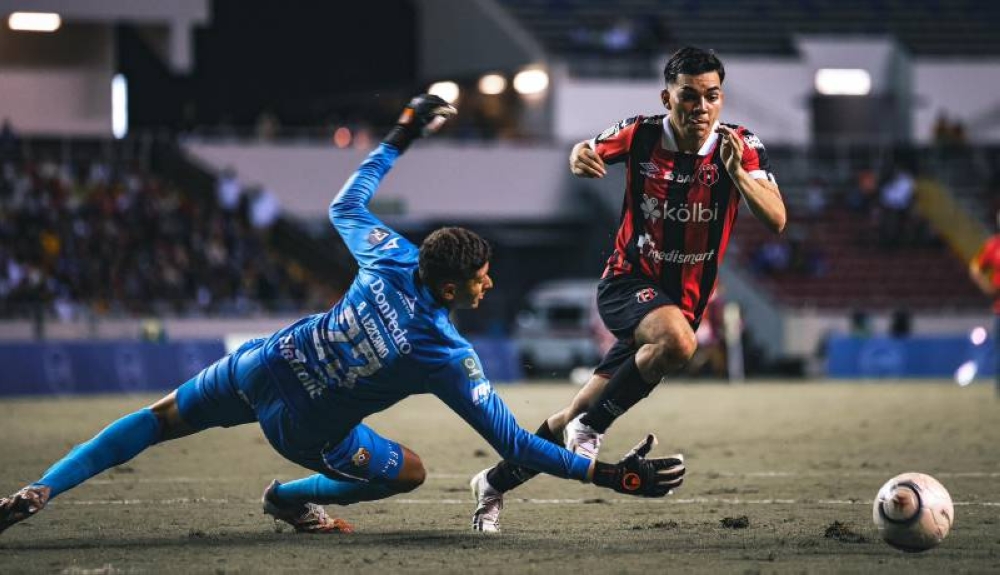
{"points": [[984, 269], [686, 175]]}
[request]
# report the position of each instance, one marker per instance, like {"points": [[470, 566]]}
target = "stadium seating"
{"points": [[87, 227], [760, 27]]}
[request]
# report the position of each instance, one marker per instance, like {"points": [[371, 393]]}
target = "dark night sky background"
{"points": [[303, 61]]}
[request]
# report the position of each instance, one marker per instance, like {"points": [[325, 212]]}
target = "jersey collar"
{"points": [[670, 142]]}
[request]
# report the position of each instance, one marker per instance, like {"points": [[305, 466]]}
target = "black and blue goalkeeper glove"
{"points": [[424, 115], [636, 475]]}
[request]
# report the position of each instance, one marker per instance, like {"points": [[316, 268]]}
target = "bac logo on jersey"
{"points": [[645, 295], [708, 174], [377, 236], [361, 458], [472, 368]]}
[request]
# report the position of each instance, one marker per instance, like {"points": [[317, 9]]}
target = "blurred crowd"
{"points": [[94, 237], [883, 207]]}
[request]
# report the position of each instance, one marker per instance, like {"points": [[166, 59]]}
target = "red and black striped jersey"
{"points": [[679, 208], [988, 260]]}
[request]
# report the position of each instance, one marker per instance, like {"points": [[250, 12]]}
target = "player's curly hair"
{"points": [[692, 61], [452, 254]]}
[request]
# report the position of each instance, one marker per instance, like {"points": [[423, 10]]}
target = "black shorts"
{"points": [[622, 302]]}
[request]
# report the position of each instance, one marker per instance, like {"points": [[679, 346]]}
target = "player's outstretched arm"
{"points": [[362, 232], [424, 115], [463, 387], [636, 475]]}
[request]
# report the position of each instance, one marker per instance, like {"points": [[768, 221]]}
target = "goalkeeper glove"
{"points": [[636, 475], [424, 115]]}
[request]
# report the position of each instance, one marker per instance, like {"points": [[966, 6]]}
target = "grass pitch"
{"points": [[780, 480]]}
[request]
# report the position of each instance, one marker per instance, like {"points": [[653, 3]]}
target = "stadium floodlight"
{"points": [[34, 21], [448, 91], [843, 82], [342, 137], [531, 81], [492, 84], [119, 106]]}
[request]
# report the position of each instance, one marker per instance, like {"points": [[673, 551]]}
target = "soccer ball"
{"points": [[913, 512]]}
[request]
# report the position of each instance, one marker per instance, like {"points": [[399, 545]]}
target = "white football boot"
{"points": [[489, 502], [581, 439], [304, 517]]}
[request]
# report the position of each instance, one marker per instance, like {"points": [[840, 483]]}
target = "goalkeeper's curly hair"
{"points": [[452, 254]]}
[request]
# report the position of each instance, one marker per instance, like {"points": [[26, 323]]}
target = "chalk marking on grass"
{"points": [[123, 479], [527, 501]]}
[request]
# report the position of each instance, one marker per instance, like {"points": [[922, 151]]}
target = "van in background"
{"points": [[559, 328]]}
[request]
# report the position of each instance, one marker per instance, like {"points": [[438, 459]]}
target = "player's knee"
{"points": [[666, 358], [168, 417], [412, 475], [685, 347]]}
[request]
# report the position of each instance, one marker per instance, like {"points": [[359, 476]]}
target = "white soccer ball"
{"points": [[913, 512]]}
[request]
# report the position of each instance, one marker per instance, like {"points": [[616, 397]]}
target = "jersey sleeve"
{"points": [[613, 144], [755, 160], [463, 386], [980, 257], [370, 241], [984, 257]]}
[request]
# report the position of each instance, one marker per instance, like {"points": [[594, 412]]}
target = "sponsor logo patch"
{"points": [[647, 248], [631, 481], [645, 295], [753, 141], [472, 368], [613, 130], [481, 393], [651, 170], [361, 458], [650, 209], [696, 213], [408, 302], [391, 244], [377, 236], [610, 132]]}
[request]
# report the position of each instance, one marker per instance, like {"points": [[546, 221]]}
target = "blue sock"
{"points": [[323, 490], [116, 444]]}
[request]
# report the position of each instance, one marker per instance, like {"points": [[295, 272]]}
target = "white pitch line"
{"points": [[749, 474], [631, 500]]}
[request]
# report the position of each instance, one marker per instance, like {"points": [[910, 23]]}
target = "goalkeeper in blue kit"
{"points": [[310, 385]]}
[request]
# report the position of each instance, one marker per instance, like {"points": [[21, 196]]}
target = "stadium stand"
{"points": [[86, 226], [596, 28], [837, 256]]}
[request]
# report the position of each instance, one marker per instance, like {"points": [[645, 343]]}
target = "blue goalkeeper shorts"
{"points": [[238, 389]]}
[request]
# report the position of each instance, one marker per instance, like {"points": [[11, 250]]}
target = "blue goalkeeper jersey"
{"points": [[389, 338]]}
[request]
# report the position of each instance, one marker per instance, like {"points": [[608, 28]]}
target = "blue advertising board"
{"points": [[914, 356], [102, 367]]}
